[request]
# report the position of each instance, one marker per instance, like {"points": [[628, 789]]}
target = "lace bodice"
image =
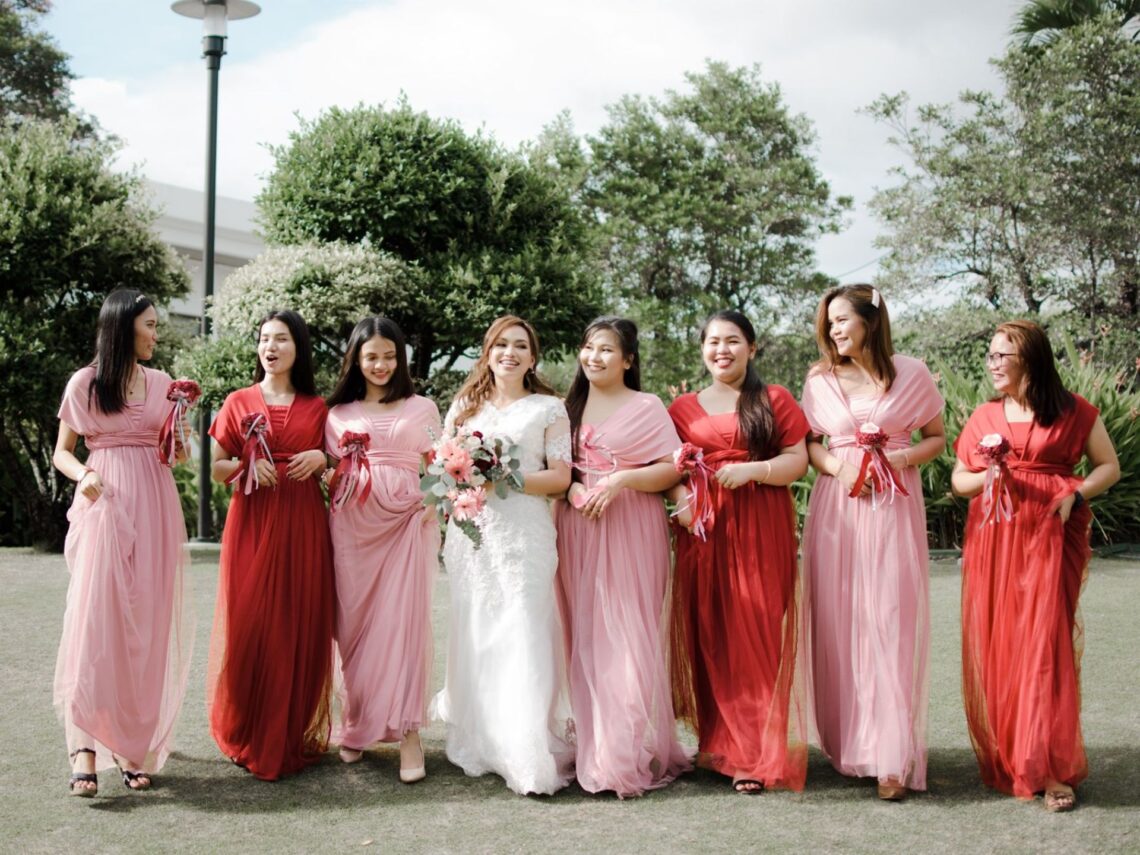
{"points": [[538, 424]]}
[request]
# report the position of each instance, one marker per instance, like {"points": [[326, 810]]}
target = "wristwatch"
{"points": [[1078, 499]]}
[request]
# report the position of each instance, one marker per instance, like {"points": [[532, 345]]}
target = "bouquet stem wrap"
{"points": [[999, 503], [352, 477], [691, 460], [254, 429], [884, 479], [183, 394]]}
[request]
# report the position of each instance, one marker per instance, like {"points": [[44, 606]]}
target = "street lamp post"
{"points": [[214, 14]]}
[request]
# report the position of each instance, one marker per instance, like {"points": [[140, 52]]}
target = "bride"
{"points": [[505, 700]]}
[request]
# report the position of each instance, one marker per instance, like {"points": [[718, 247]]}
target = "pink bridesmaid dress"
{"points": [[612, 577], [127, 632], [866, 627], [385, 560]]}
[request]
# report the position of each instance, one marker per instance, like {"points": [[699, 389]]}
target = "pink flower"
{"points": [[688, 457], [459, 465], [449, 449], [994, 447], [468, 503]]}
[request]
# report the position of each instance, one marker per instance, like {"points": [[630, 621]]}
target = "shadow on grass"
{"points": [[211, 785]]}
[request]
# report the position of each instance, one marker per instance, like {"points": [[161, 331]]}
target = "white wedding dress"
{"points": [[505, 699]]}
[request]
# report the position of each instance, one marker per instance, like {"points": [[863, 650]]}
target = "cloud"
{"points": [[509, 66]]}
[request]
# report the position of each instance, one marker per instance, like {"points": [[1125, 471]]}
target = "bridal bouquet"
{"points": [[690, 459], [872, 439], [998, 501], [183, 394], [463, 469], [351, 478]]}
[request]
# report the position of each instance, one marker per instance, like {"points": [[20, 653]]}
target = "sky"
{"points": [[508, 67]]}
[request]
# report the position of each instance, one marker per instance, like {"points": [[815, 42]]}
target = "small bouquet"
{"points": [[183, 394], [463, 469], [689, 460], [351, 476], [998, 501], [254, 431], [871, 438]]}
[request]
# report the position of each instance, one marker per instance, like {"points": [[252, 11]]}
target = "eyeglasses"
{"points": [[996, 358]]}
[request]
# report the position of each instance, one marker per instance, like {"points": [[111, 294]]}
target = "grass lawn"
{"points": [[202, 803]]}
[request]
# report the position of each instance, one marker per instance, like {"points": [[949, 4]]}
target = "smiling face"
{"points": [[276, 349], [726, 352], [602, 359], [847, 330], [146, 333], [511, 355], [1004, 364], [378, 362]]}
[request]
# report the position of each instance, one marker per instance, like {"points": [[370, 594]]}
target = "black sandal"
{"points": [[82, 777], [130, 778]]}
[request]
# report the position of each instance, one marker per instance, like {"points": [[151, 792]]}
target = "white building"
{"points": [[182, 225]]}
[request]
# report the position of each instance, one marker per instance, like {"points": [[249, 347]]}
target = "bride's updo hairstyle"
{"points": [[480, 382]]}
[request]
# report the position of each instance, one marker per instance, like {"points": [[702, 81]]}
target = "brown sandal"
{"points": [[889, 792], [1060, 801], [82, 777]]}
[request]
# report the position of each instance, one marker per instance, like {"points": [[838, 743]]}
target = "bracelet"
{"points": [[906, 458], [87, 470], [767, 474]]}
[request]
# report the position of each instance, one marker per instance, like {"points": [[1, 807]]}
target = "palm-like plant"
{"points": [[1041, 21]]}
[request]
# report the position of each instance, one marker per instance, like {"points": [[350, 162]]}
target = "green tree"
{"points": [[705, 199], [332, 285], [487, 232], [33, 72], [1031, 196], [1041, 22], [71, 231]]}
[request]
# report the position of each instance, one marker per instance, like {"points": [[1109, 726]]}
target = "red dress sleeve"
{"points": [[791, 423]]}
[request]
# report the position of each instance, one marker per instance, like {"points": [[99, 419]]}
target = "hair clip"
{"points": [[140, 298], [875, 298]]}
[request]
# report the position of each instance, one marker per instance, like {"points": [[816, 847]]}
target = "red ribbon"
{"points": [[255, 429], [698, 496], [352, 474], [875, 465], [183, 394]]}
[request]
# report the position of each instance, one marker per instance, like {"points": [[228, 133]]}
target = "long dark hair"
{"points": [[480, 381], [1041, 386], [753, 407], [626, 332], [351, 385], [872, 309], [115, 348], [301, 374]]}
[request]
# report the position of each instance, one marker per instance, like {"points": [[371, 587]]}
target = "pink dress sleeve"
{"points": [[429, 418], [73, 409], [334, 428]]}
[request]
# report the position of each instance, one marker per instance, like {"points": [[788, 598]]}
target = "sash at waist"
{"points": [[409, 460], [1038, 467], [898, 440], [132, 438], [716, 459]]}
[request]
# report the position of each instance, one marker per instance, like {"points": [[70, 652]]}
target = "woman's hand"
{"points": [[90, 485], [305, 464], [1063, 507], [266, 472], [602, 495], [428, 515], [733, 475], [899, 459], [848, 475]]}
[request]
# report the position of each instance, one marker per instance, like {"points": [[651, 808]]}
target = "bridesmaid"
{"points": [[385, 545], [1022, 576], [734, 594], [121, 672], [866, 602], [271, 654], [613, 568]]}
